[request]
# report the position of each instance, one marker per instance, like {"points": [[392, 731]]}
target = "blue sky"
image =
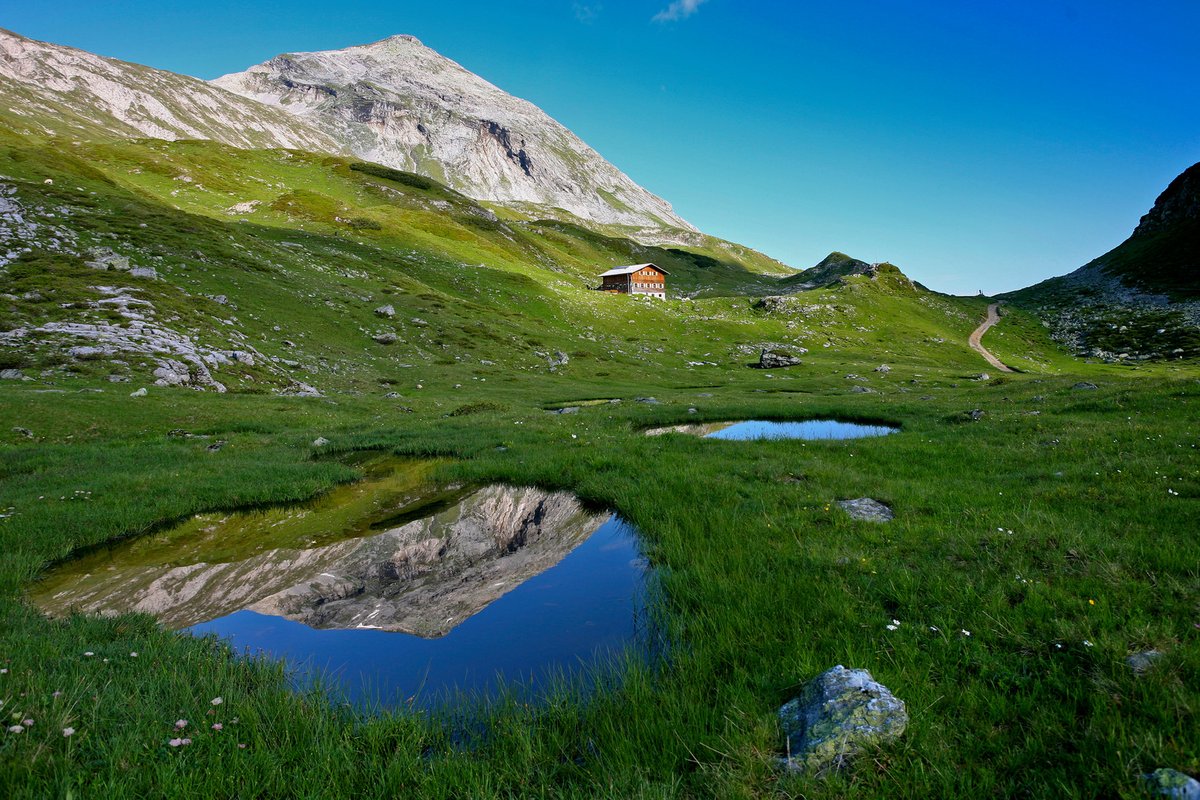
{"points": [[979, 145]]}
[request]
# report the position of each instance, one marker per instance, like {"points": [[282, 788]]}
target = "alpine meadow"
{"points": [[316, 410]]}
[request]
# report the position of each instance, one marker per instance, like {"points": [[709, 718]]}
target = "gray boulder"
{"points": [[386, 311], [777, 359], [11, 375], [860, 390], [139, 393], [838, 715], [884, 368], [144, 272], [386, 338], [320, 441], [1172, 783], [866, 509], [1085, 385]]}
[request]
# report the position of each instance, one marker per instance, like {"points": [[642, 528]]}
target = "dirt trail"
{"points": [[993, 316]]}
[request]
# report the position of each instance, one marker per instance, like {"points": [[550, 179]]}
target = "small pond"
{"points": [[396, 591], [811, 429]]}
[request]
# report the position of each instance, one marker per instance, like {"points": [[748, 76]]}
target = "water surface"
{"points": [[811, 429], [398, 590]]}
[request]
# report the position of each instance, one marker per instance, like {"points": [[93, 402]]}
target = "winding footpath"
{"points": [[993, 316]]}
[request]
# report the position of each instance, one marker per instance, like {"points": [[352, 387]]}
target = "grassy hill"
{"points": [[1034, 548]]}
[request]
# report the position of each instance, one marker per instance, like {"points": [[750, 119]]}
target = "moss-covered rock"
{"points": [[839, 714]]}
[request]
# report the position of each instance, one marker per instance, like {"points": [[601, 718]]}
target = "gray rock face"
{"points": [[840, 713], [401, 104], [777, 359], [866, 509], [63, 86], [1172, 783], [11, 375]]}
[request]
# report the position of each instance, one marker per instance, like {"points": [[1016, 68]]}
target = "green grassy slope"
{"points": [[1006, 527]]}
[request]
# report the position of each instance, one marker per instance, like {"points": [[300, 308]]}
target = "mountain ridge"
{"points": [[401, 104]]}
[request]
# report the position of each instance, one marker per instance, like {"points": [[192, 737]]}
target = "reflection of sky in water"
{"points": [[559, 620], [808, 429]]}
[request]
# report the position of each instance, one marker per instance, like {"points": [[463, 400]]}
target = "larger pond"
{"points": [[810, 430], [398, 592]]}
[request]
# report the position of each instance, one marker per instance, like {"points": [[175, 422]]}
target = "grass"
{"points": [[1059, 529]]}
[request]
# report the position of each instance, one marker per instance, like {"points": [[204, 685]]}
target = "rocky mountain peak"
{"points": [[1179, 204], [399, 103]]}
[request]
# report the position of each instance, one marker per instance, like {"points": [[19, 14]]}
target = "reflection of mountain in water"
{"points": [[423, 577], [694, 429]]}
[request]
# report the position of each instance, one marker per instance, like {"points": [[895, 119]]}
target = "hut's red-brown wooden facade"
{"points": [[648, 279]]}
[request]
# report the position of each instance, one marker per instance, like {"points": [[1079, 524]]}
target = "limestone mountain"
{"points": [[398, 103], [48, 89], [1140, 300]]}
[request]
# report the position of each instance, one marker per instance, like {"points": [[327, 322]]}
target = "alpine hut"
{"points": [[648, 279]]}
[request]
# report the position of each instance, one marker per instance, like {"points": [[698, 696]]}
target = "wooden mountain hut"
{"points": [[648, 279]]}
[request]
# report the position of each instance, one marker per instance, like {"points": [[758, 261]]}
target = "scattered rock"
{"points": [[385, 338], [648, 400], [28, 434], [559, 359], [567, 410], [777, 359], [388, 311], [983, 376], [867, 510], [1172, 783], [217, 445], [1141, 662], [87, 353], [320, 441], [838, 715], [144, 272], [1085, 385], [884, 368], [392, 396], [105, 259], [118, 379], [860, 390], [139, 393], [11, 375], [693, 411]]}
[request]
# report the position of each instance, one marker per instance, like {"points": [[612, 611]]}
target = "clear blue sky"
{"points": [[979, 145]]}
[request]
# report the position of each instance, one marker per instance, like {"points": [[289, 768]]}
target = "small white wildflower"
{"points": [[180, 724], [68, 732], [892, 627], [934, 628], [28, 723], [15, 729], [896, 622], [89, 654], [175, 742], [216, 701], [4, 671], [966, 632], [1086, 643]]}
